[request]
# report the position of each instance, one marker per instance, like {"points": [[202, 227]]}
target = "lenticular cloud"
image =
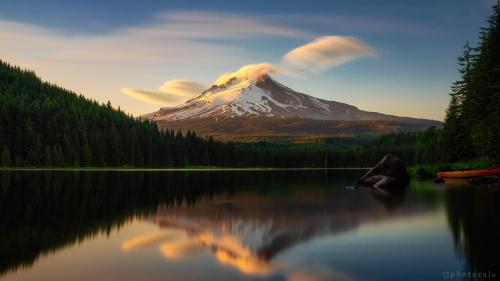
{"points": [[170, 93], [248, 72], [326, 52]]}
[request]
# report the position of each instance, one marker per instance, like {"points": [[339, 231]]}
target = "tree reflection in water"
{"points": [[473, 218]]}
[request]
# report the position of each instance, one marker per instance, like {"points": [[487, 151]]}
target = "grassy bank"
{"points": [[174, 169], [429, 171]]}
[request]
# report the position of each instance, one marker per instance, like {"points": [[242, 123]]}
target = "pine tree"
{"points": [[86, 157], [486, 95], [48, 157], [455, 141], [58, 157], [6, 160], [474, 113]]}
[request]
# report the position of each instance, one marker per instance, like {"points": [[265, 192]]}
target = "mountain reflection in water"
{"points": [[246, 221], [246, 230]]}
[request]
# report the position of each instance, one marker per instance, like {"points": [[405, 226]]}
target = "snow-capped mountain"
{"points": [[260, 108], [261, 97]]}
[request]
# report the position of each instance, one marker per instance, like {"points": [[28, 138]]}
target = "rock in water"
{"points": [[389, 172], [380, 181]]}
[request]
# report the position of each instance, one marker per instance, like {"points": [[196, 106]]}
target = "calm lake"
{"points": [[241, 225]]}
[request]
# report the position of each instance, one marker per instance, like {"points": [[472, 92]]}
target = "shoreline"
{"points": [[120, 169]]}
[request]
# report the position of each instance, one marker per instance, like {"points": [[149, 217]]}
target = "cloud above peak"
{"points": [[326, 52], [249, 72]]}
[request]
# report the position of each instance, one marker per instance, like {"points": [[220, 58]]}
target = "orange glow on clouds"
{"points": [[328, 51], [248, 72], [170, 93]]}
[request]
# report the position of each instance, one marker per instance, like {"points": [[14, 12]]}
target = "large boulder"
{"points": [[389, 172]]}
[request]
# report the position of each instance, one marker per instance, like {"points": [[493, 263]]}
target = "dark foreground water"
{"points": [[261, 225]]}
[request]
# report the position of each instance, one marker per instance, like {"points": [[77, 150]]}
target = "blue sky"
{"points": [[99, 47]]}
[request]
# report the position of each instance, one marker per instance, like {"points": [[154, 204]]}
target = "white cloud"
{"points": [[249, 72], [171, 93], [183, 88], [172, 37], [326, 52], [157, 98], [127, 46], [198, 24]]}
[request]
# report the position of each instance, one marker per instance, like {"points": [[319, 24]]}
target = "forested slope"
{"points": [[42, 124]]}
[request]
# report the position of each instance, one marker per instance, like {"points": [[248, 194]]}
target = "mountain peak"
{"points": [[263, 78], [254, 96], [247, 78]]}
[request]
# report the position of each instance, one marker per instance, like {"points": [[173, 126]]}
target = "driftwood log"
{"points": [[390, 172]]}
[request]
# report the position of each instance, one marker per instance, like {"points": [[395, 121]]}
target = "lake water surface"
{"points": [[241, 225]]}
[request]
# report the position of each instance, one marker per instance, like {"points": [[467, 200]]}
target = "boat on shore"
{"points": [[468, 174]]}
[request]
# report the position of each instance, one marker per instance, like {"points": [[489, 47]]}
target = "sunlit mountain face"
{"points": [[260, 96], [254, 105]]}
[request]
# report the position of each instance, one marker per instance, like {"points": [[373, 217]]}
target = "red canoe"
{"points": [[469, 174]]}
